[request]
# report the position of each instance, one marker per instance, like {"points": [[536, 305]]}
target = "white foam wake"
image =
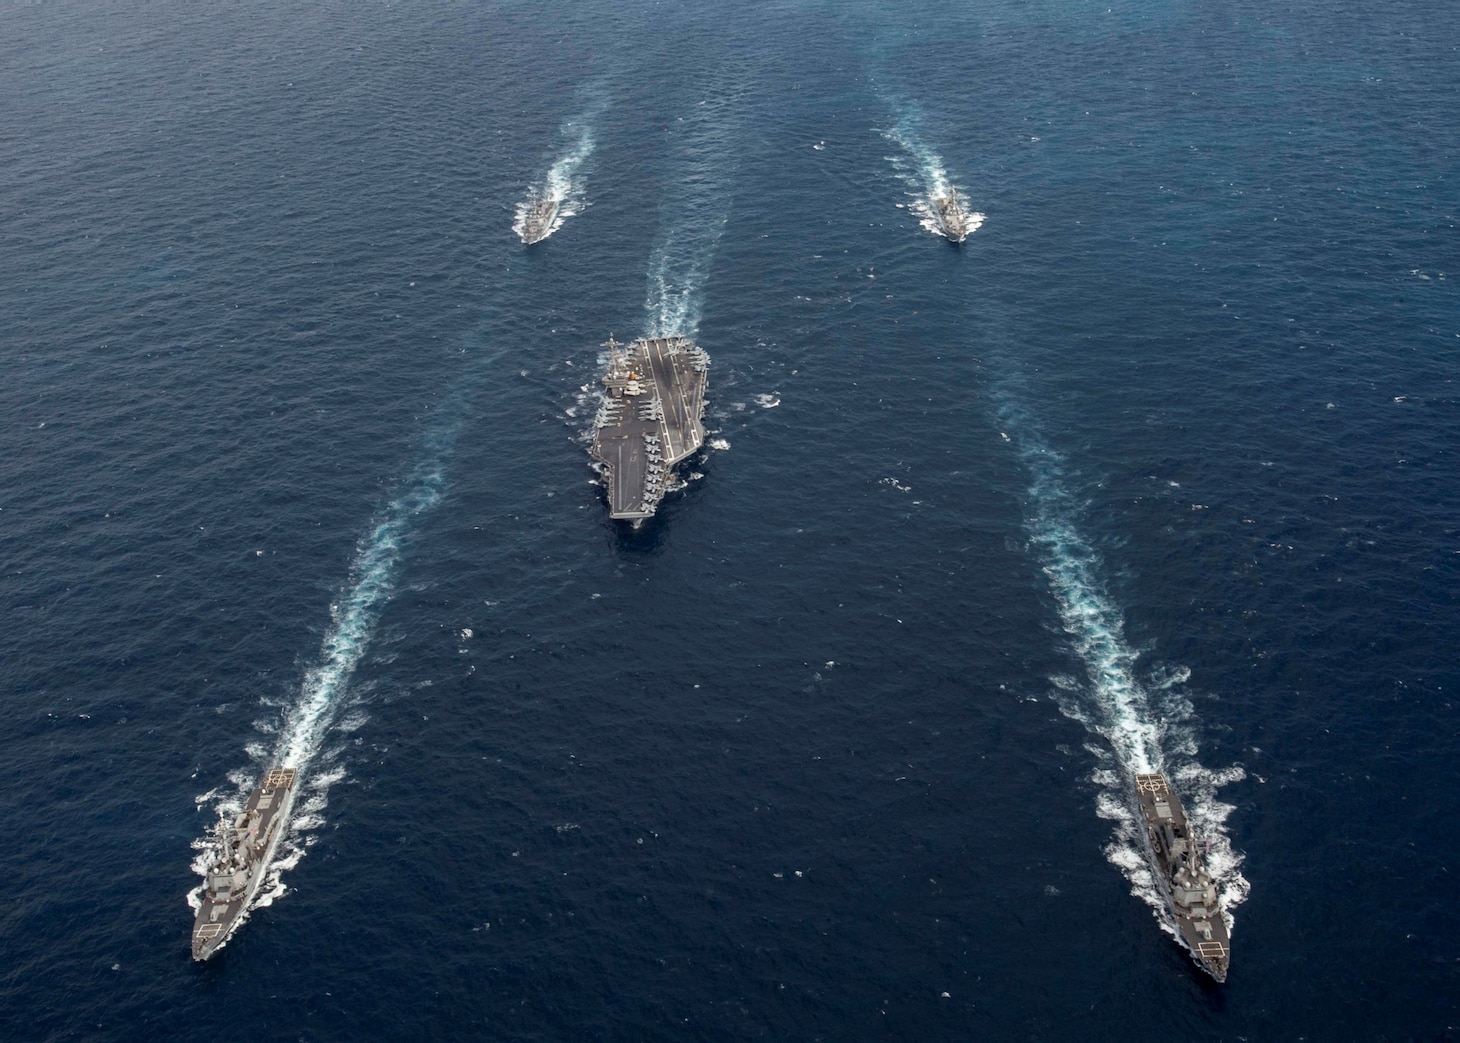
{"points": [[1145, 719], [308, 718], [693, 215], [565, 182], [372, 581], [923, 171]]}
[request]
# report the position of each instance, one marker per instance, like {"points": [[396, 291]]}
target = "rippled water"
{"points": [[1154, 470]]}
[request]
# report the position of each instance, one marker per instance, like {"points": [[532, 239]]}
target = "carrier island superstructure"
{"points": [[649, 420], [1177, 860], [243, 847]]}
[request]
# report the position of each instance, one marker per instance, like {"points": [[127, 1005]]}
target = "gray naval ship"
{"points": [[1176, 858], [649, 420], [240, 860], [537, 223], [953, 220]]}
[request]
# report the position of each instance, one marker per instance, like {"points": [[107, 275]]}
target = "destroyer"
{"points": [[1190, 891], [650, 419], [240, 860], [953, 221], [537, 222]]}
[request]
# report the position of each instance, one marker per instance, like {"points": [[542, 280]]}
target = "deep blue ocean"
{"points": [[1156, 471]]}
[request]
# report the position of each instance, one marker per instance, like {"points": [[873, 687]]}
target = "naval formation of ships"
{"points": [[651, 418], [243, 846]]}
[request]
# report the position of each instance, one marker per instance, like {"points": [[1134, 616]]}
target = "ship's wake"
{"points": [[565, 182], [925, 175], [1140, 717], [693, 214], [353, 618], [300, 733]]}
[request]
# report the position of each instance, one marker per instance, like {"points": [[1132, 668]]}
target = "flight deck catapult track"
{"points": [[650, 419]]}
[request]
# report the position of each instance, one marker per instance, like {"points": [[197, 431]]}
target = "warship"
{"points": [[240, 860], [537, 222], [1190, 892], [649, 419], [953, 221]]}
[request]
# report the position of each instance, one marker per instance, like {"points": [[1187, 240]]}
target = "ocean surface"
{"points": [[1156, 471]]}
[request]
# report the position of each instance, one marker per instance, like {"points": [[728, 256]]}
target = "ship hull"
{"points": [[267, 813], [952, 218], [538, 224], [651, 418], [953, 227], [1176, 863]]}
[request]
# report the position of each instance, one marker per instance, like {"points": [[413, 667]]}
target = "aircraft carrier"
{"points": [[240, 860], [953, 220], [537, 222], [1176, 858], [649, 420]]}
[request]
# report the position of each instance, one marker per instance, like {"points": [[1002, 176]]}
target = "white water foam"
{"points": [[692, 218], [1147, 724], [923, 171], [305, 723], [565, 182], [372, 583]]}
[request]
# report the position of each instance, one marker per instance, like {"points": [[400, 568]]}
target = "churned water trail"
{"points": [[1144, 717], [324, 690], [693, 213], [565, 184], [372, 581], [301, 731], [1094, 625], [923, 171]]}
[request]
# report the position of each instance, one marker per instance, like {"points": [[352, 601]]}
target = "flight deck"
{"points": [[650, 419]]}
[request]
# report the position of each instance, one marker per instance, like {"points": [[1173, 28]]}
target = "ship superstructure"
{"points": [[649, 420], [1176, 858], [243, 848], [953, 221], [537, 222]]}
